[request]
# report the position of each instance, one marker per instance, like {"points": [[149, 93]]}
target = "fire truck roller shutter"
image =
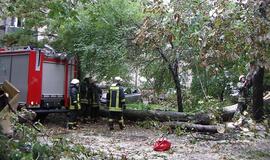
{"points": [[5, 66], [53, 79], [14, 68], [19, 75]]}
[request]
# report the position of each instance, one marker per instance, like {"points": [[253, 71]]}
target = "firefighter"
{"points": [[74, 104], [241, 117], [94, 94], [84, 97], [116, 103], [243, 94]]}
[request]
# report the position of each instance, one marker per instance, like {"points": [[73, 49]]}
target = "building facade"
{"points": [[10, 24]]}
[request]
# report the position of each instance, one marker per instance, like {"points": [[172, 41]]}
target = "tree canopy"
{"points": [[211, 40]]}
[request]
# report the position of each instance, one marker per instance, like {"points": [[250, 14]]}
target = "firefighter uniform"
{"points": [[116, 104], [94, 94], [243, 100], [243, 94], [74, 104]]}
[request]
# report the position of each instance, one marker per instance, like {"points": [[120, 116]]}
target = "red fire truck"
{"points": [[42, 77]]}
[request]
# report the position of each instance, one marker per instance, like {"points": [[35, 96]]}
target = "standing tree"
{"points": [[171, 32], [240, 30]]}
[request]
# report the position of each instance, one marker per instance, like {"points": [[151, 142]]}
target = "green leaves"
{"points": [[99, 37], [112, 37]]}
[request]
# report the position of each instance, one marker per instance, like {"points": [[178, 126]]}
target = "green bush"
{"points": [[193, 104], [141, 106], [26, 146]]}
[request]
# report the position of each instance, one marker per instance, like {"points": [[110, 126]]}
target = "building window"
{"points": [[19, 22], [13, 21]]}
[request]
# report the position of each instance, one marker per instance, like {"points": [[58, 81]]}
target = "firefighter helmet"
{"points": [[75, 81], [242, 76], [118, 79]]}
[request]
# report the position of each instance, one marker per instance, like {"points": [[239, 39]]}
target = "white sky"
{"points": [[166, 1]]}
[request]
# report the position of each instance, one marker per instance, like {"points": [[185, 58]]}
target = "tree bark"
{"points": [[164, 116], [257, 97], [221, 96], [177, 87], [227, 112], [197, 127]]}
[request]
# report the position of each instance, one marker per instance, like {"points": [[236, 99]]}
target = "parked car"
{"points": [[131, 97]]}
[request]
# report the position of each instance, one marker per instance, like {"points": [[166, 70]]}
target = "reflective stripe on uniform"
{"points": [[115, 109], [114, 99], [71, 107], [241, 99], [78, 100], [77, 106], [84, 101]]}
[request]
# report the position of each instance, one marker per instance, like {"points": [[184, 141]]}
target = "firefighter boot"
{"points": [[121, 123], [111, 124], [71, 125]]}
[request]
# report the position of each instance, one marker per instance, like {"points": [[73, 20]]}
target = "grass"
{"points": [[141, 106], [204, 105]]}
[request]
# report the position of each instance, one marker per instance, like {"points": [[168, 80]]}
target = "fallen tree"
{"points": [[164, 116], [227, 113], [224, 115]]}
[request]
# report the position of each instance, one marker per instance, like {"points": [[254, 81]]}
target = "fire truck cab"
{"points": [[42, 77]]}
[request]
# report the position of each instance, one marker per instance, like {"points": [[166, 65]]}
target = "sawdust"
{"points": [[137, 143]]}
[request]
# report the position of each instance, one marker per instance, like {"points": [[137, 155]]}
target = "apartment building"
{"points": [[10, 24]]}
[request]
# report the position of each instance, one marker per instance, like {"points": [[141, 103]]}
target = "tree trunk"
{"points": [[197, 127], [173, 67], [257, 97], [227, 112], [163, 116], [221, 96], [178, 87]]}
